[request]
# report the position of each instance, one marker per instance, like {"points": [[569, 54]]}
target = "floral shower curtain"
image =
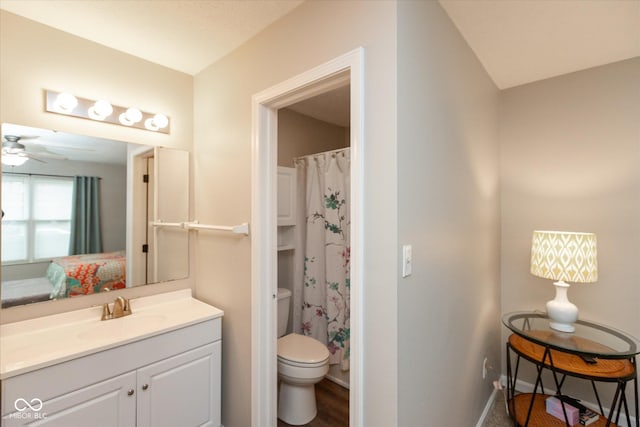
{"points": [[325, 278]]}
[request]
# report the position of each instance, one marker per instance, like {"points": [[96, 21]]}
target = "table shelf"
{"points": [[571, 364], [539, 415]]}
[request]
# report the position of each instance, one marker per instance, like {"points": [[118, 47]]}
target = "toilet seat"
{"points": [[302, 351]]}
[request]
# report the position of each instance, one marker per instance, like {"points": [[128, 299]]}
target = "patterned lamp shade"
{"points": [[564, 256]]}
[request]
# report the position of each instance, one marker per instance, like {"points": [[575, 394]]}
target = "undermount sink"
{"points": [[134, 324]]}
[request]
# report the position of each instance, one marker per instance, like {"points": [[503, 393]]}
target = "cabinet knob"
{"points": [[145, 386], [130, 392]]}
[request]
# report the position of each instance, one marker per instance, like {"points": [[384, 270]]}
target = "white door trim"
{"points": [[263, 228]]}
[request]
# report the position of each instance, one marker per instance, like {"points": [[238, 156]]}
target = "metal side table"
{"points": [[593, 352]]}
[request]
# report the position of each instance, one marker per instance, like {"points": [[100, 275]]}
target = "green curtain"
{"points": [[86, 236]]}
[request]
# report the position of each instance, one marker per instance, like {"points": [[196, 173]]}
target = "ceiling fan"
{"points": [[14, 152]]}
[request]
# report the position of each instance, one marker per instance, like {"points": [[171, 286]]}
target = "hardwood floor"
{"points": [[333, 406]]}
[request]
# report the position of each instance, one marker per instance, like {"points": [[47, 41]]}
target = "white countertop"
{"points": [[45, 341]]}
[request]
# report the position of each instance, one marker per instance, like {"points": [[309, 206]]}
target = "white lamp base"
{"points": [[560, 310]]}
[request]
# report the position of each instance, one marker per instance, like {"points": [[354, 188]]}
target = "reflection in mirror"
{"points": [[76, 213]]}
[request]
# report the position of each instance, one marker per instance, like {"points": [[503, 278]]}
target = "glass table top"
{"points": [[589, 338]]}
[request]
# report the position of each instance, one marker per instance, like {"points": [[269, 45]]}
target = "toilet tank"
{"points": [[284, 299]]}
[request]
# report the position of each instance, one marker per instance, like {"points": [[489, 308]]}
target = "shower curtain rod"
{"points": [[337, 150]]}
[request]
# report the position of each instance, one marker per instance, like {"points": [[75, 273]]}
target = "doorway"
{"points": [[346, 69]]}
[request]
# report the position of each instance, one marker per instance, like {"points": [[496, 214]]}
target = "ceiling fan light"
{"points": [[65, 102], [13, 159], [100, 110]]}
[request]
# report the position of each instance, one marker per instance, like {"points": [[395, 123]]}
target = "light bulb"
{"points": [[65, 102], [149, 124], [13, 159], [131, 116], [134, 115], [159, 121], [100, 110]]}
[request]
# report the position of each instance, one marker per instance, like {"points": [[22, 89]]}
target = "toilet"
{"points": [[302, 362]]}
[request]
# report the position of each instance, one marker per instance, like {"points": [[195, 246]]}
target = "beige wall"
{"points": [[570, 152], [449, 308], [34, 57], [300, 135], [312, 34]]}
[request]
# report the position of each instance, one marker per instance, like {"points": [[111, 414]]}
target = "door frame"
{"points": [[264, 155]]}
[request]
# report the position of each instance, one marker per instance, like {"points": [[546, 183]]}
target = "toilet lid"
{"points": [[302, 349]]}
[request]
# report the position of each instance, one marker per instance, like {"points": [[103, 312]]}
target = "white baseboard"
{"points": [[487, 407], [527, 387]]}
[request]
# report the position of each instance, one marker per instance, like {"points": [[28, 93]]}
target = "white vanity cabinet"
{"points": [[181, 391], [169, 379], [103, 404]]}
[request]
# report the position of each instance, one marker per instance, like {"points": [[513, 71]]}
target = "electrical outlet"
{"points": [[485, 367]]}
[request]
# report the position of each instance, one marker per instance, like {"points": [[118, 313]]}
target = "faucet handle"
{"points": [[106, 313], [127, 307]]}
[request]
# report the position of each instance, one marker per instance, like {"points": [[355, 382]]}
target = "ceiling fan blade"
{"points": [[45, 155], [32, 157], [45, 144]]}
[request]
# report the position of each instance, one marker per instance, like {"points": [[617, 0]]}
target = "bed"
{"points": [[25, 291], [86, 274]]}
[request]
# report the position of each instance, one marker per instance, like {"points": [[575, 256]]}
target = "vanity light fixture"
{"points": [[101, 110]]}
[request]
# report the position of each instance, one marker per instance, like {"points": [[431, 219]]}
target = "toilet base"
{"points": [[297, 403]]}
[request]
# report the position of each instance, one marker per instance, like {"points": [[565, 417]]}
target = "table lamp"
{"points": [[560, 256]]}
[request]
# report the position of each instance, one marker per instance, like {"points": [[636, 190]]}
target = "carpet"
{"points": [[497, 416]]}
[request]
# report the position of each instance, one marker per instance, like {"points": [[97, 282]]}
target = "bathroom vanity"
{"points": [[159, 366]]}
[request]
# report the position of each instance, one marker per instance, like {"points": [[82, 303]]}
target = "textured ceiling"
{"points": [[184, 35], [521, 41]]}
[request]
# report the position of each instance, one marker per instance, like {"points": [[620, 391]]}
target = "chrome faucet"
{"points": [[121, 308]]}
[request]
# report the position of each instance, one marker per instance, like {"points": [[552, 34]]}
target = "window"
{"points": [[37, 217]]}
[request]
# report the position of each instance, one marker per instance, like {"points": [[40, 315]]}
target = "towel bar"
{"points": [[194, 225]]}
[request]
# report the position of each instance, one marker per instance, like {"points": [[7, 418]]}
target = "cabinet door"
{"points": [[286, 196], [111, 403], [183, 390]]}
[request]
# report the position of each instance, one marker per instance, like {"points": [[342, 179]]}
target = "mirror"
{"points": [[78, 215]]}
